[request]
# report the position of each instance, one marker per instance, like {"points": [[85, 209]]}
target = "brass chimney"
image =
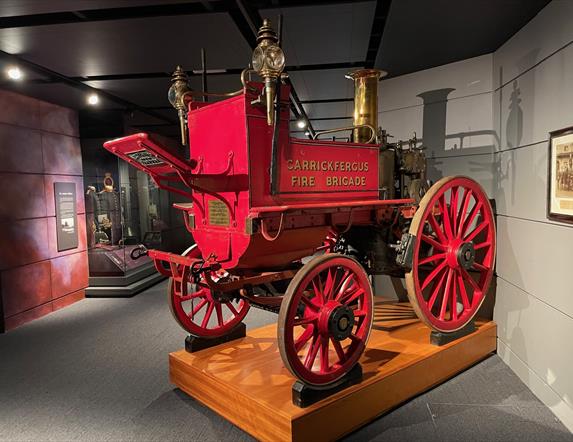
{"points": [[365, 102]]}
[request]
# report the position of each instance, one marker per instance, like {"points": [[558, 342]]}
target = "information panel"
{"points": [[66, 216]]}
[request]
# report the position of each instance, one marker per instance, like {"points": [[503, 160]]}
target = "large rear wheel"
{"points": [[454, 253]]}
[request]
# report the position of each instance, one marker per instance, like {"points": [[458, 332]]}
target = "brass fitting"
{"points": [[178, 92], [365, 102], [268, 62]]}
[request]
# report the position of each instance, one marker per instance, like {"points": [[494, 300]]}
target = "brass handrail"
{"points": [[340, 129]]}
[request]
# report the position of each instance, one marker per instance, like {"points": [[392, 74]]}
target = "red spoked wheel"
{"points": [[325, 319], [454, 253], [197, 310]]}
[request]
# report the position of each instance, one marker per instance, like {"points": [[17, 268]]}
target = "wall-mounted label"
{"points": [[219, 213], [66, 216]]}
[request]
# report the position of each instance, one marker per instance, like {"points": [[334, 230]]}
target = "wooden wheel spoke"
{"points": [[432, 258], [339, 350], [359, 313], [433, 274], [463, 292], [470, 218], [480, 267], [317, 287], [312, 352], [198, 307], [219, 311], [208, 314], [446, 295], [446, 217], [454, 307], [232, 308], [304, 337], [328, 285], [482, 245], [465, 204], [305, 320], [435, 244], [437, 287], [453, 209], [472, 282], [350, 299], [324, 350], [309, 303], [476, 231], [196, 295], [437, 229]]}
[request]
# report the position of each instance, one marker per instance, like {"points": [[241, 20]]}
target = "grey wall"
{"points": [[489, 118]]}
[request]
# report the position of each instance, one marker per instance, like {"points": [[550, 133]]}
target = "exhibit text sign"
{"points": [[66, 216]]}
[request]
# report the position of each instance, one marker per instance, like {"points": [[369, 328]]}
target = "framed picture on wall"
{"points": [[560, 176]]}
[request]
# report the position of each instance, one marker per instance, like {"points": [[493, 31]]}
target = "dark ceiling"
{"points": [[126, 49]]}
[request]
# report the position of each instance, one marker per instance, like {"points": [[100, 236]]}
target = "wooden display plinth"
{"points": [[245, 381]]}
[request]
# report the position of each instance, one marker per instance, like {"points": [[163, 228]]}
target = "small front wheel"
{"points": [[197, 310], [325, 319]]}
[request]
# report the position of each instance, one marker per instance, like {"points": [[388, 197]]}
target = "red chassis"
{"points": [[254, 231]]}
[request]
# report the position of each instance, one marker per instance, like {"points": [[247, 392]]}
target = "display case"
{"points": [[126, 213]]}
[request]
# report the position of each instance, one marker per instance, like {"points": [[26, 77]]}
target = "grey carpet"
{"points": [[97, 370]]}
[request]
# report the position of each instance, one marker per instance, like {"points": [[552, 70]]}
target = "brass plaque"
{"points": [[218, 214]]}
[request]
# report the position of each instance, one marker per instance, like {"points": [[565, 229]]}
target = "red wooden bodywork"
{"points": [[235, 220]]}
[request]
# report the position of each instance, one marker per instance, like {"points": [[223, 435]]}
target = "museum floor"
{"points": [[98, 371]]}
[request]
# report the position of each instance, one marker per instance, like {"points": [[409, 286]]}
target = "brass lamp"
{"points": [[268, 62], [176, 95]]}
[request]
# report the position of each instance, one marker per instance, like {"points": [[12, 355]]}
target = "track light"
{"points": [[14, 73], [301, 123], [93, 99]]}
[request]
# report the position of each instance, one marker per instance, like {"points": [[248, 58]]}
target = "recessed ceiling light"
{"points": [[14, 73], [301, 123], [93, 99]]}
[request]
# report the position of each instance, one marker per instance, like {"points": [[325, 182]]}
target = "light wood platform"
{"points": [[245, 381]]}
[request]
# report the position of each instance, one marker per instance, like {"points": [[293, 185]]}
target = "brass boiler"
{"points": [[366, 116], [365, 102]]}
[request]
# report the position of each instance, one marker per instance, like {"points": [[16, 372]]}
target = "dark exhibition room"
{"points": [[286, 220]]}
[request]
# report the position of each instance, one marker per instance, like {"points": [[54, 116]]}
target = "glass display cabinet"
{"points": [[125, 211]]}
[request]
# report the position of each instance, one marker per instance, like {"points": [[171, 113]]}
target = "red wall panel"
{"points": [[21, 150], [28, 286], [69, 273], [39, 146], [23, 196]]}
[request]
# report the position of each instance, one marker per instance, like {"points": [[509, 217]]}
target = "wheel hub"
{"points": [[466, 255], [340, 322]]}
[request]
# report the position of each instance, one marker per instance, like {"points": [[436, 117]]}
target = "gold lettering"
{"points": [[311, 181], [324, 165], [329, 181], [304, 181], [293, 181], [354, 166], [296, 165], [363, 181], [289, 164], [365, 166], [304, 165]]}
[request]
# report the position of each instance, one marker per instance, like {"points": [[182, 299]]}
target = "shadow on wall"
{"points": [[435, 137]]}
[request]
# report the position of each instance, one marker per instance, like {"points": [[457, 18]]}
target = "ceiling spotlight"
{"points": [[307, 133], [93, 99], [14, 73], [301, 123]]}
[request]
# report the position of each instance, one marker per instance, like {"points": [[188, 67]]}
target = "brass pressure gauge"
{"points": [[268, 61]]}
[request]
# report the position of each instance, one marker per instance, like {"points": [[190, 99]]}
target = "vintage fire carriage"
{"points": [[300, 226]]}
